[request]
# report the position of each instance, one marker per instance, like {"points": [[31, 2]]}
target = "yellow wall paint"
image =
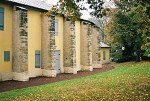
{"points": [[6, 39], [34, 36], [107, 53], [77, 31], [59, 40]]}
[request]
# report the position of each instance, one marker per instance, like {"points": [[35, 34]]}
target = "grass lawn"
{"points": [[128, 81]]}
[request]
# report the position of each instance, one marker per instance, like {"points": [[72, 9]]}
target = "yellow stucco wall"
{"points": [[6, 39], [107, 53], [59, 40], [77, 31], [34, 36]]}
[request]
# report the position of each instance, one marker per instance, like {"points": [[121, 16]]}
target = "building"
{"points": [[33, 44], [104, 53]]}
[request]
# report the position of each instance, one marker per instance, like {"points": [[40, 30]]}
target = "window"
{"points": [[56, 27], [1, 18], [104, 55], [37, 59], [6, 55]]}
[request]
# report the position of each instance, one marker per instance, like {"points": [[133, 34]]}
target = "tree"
{"points": [[131, 27]]}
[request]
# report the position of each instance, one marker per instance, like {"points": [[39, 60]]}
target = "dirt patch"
{"points": [[12, 85]]}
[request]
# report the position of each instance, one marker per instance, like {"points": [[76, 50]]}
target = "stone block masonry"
{"points": [[95, 48], [20, 41], [69, 47], [48, 46], [86, 47]]}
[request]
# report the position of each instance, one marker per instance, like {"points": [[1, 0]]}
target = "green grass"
{"points": [[128, 81]]}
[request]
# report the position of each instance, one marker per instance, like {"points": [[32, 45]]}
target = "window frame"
{"points": [[2, 14], [6, 56], [56, 27], [37, 55], [104, 55]]}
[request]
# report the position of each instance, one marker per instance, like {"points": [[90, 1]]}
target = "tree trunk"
{"points": [[138, 56]]}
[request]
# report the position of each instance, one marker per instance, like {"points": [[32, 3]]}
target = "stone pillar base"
{"points": [[4, 76], [97, 65], [49, 73], [105, 61], [70, 70], [79, 68], [86, 68], [23, 76], [35, 73]]}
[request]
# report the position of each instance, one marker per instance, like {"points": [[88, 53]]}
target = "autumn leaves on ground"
{"points": [[127, 82]]}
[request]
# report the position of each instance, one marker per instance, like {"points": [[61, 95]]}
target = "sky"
{"points": [[52, 1]]}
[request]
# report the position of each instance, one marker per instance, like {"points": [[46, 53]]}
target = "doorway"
{"points": [[57, 53]]}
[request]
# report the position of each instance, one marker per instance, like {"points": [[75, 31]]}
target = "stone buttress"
{"points": [[69, 47], [86, 46], [20, 44], [48, 46], [96, 47]]}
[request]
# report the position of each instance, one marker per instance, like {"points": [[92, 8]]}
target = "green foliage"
{"points": [[68, 8], [128, 81], [131, 26], [116, 53], [147, 53]]}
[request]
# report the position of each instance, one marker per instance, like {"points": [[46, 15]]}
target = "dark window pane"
{"points": [[1, 18], [37, 59], [6, 55]]}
